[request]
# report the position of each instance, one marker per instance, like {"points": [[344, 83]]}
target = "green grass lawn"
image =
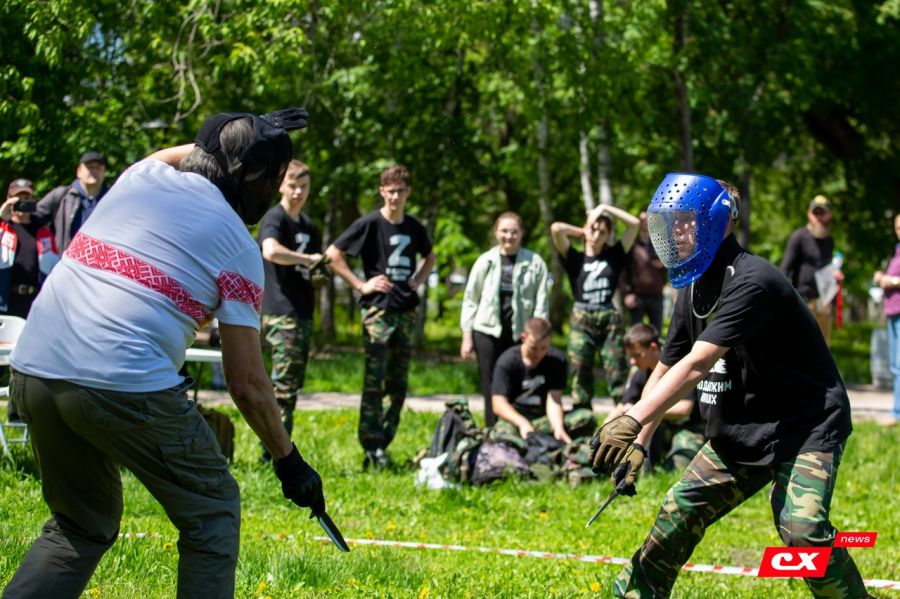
{"points": [[280, 558]]}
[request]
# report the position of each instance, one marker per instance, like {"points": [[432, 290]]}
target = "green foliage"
{"points": [[781, 96], [280, 558]]}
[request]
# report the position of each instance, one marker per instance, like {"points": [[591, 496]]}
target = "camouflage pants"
{"points": [[589, 333], [578, 423], [711, 487], [388, 344], [289, 337]]}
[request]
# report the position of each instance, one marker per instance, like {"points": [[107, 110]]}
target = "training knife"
{"points": [[619, 488], [332, 530]]}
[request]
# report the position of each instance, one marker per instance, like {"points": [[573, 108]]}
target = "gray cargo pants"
{"points": [[80, 437]]}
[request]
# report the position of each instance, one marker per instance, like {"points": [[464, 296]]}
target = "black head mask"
{"points": [[255, 177]]}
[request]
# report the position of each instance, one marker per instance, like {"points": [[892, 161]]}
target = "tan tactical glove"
{"points": [[613, 443]]}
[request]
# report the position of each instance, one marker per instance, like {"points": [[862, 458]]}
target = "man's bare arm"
{"points": [[172, 156], [251, 388], [273, 251]]}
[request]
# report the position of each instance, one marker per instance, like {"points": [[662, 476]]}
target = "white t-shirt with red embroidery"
{"points": [[161, 255]]}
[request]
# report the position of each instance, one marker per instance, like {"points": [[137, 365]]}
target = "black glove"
{"points": [[627, 472], [612, 443], [300, 482]]}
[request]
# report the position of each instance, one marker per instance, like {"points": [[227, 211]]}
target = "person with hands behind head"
{"points": [[506, 286], [775, 407], [290, 243], [527, 389], [121, 307], [27, 250], [595, 327], [389, 241]]}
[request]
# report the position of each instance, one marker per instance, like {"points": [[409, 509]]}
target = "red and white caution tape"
{"points": [[872, 583], [576, 557]]}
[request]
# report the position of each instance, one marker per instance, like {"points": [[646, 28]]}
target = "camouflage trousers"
{"points": [[289, 337], [388, 345], [594, 332], [711, 487], [578, 423]]}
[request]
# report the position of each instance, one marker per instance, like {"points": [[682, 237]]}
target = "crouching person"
{"points": [[776, 410], [527, 389], [122, 306]]}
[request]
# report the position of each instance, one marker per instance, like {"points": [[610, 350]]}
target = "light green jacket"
{"points": [[481, 300]]}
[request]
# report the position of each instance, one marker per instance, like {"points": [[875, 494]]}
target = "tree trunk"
{"points": [[557, 299], [604, 167], [587, 193], [679, 14], [326, 293]]}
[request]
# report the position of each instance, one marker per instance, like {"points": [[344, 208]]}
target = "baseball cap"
{"points": [[20, 185], [820, 201], [93, 157]]}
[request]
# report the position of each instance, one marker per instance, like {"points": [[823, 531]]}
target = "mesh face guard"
{"points": [[271, 145], [260, 164], [687, 219]]}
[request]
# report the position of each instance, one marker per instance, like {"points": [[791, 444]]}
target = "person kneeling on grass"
{"points": [[775, 407], [527, 390], [166, 250], [680, 435]]}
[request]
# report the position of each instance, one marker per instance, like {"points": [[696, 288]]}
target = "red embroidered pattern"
{"points": [[236, 288], [102, 256]]}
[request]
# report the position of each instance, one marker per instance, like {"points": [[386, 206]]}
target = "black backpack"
{"points": [[456, 423]]}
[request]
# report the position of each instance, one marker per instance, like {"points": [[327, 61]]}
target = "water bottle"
{"points": [[838, 260]]}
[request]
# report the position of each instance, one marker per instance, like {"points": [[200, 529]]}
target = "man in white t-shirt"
{"points": [[95, 371]]}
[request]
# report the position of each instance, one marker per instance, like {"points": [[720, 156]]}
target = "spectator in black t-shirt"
{"points": [[775, 407], [680, 435], [809, 249], [290, 243], [595, 327], [389, 241], [525, 376], [27, 250]]}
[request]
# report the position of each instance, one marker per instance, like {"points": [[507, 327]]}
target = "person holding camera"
{"points": [[27, 250]]}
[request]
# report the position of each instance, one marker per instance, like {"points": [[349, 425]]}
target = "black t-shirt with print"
{"points": [[387, 249], [288, 288], [634, 388], [594, 278], [777, 391], [507, 264], [527, 388]]}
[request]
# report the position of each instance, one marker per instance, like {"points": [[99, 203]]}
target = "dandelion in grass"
{"points": [[167, 546], [542, 515], [595, 586], [94, 592], [423, 592], [261, 587], [369, 534], [391, 526]]}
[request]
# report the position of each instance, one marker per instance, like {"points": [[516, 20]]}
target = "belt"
{"points": [[24, 289]]}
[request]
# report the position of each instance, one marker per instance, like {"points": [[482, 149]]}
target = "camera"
{"points": [[25, 206]]}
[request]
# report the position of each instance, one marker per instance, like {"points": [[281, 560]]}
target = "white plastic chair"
{"points": [[10, 328]]}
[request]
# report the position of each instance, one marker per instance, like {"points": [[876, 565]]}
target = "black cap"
{"points": [[93, 157]]}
